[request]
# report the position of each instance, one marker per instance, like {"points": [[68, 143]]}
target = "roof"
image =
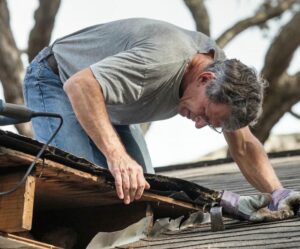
{"points": [[66, 190], [237, 234]]}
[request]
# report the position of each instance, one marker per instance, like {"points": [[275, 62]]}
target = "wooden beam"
{"points": [[11, 241], [46, 168], [16, 209], [11, 158]]}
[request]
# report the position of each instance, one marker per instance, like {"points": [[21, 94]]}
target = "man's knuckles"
{"points": [[133, 188], [115, 171]]}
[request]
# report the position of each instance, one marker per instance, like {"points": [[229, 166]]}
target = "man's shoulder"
{"points": [[152, 27], [142, 21]]}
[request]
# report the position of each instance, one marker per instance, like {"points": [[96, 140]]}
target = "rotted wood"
{"points": [[79, 199], [177, 189], [59, 186], [82, 197], [87, 201]]}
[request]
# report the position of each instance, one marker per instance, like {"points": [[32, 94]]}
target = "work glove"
{"points": [[285, 199], [251, 208]]}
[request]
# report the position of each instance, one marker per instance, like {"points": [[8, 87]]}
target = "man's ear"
{"points": [[206, 77]]}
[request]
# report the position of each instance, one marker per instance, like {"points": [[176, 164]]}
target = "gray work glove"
{"points": [[285, 199], [252, 208]]}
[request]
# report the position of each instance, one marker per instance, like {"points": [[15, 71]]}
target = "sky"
{"points": [[175, 140]]}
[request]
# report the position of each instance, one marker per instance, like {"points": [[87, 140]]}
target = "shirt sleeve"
{"points": [[121, 77]]}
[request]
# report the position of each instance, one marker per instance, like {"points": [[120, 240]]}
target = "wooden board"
{"points": [[59, 186], [16, 209], [10, 241]]}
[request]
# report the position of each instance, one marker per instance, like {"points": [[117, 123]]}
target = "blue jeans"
{"points": [[43, 92]]}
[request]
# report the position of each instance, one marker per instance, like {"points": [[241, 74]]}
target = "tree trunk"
{"points": [[284, 90], [200, 14], [40, 34], [11, 67], [283, 97]]}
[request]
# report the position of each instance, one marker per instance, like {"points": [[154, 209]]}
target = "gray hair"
{"points": [[241, 88]]}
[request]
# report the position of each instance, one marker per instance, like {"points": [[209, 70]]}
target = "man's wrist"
{"points": [[280, 193], [115, 153], [277, 196]]}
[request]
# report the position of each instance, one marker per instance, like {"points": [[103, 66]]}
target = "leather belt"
{"points": [[52, 63]]}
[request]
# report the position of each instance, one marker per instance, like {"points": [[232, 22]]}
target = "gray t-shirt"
{"points": [[139, 64]]}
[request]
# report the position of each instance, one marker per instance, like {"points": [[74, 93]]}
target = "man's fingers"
{"points": [[142, 183], [125, 186], [133, 185], [147, 185], [292, 201], [118, 184], [129, 179], [265, 214]]}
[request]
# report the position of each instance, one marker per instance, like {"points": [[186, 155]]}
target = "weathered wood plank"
{"points": [[59, 186], [16, 209]]}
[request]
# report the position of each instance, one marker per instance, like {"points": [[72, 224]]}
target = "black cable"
{"points": [[38, 156]]}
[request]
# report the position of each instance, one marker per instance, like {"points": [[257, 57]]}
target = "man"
{"points": [[105, 78]]}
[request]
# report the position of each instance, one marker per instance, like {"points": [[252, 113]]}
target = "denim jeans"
{"points": [[43, 92]]}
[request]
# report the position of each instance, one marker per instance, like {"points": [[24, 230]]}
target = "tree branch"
{"points": [[294, 114], [200, 14], [285, 94], [282, 49], [11, 67], [260, 17], [40, 34]]}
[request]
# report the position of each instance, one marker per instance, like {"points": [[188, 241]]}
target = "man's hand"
{"points": [[129, 178], [285, 199], [252, 208]]}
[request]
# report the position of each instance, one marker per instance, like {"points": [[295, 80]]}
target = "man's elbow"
{"points": [[80, 82], [73, 84]]}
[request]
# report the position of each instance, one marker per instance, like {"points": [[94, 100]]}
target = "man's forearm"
{"points": [[88, 104], [252, 160]]}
